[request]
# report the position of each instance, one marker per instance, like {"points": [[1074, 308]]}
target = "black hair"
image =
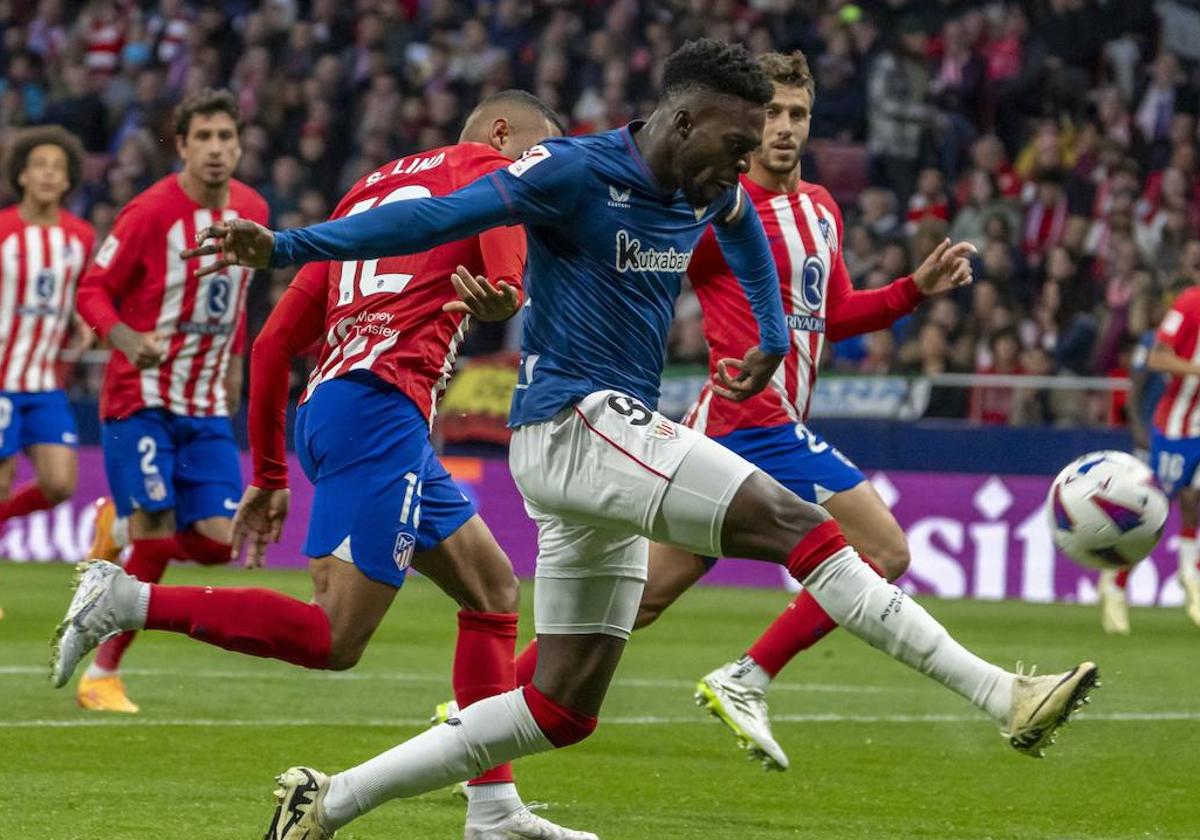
{"points": [[717, 66], [527, 99], [23, 144]]}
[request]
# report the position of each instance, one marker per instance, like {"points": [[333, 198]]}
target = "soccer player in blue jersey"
{"points": [[612, 220]]}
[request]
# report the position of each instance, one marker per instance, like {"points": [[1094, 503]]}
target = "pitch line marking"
{"points": [[365, 676], [646, 720]]}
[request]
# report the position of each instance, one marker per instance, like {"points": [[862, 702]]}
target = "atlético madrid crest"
{"points": [[828, 232]]}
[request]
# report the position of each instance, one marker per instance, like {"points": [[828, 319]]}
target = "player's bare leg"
{"points": [[735, 693], [56, 468], [1189, 551]]}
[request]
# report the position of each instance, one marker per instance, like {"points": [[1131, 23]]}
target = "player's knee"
{"points": [[499, 593], [562, 725], [647, 614], [344, 654], [57, 488], [893, 558], [786, 519]]}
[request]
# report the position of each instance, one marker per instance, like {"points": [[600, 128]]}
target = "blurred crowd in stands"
{"points": [[1059, 136]]}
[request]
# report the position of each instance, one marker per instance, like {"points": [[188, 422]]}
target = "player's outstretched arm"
{"points": [[850, 312], [743, 243], [402, 227]]}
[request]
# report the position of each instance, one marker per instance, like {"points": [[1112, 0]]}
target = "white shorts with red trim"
{"points": [[601, 478]]}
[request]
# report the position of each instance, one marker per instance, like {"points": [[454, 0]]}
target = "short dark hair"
{"points": [[206, 102], [524, 98], [789, 70], [717, 66], [24, 142]]}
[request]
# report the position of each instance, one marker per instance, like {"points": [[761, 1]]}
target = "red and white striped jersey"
{"points": [[804, 229], [386, 315], [40, 267], [1178, 412], [139, 279]]}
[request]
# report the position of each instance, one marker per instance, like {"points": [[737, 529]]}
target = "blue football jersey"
{"points": [[608, 250]]}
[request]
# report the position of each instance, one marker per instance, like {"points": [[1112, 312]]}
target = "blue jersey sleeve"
{"points": [[544, 185], [746, 250], [404, 227]]}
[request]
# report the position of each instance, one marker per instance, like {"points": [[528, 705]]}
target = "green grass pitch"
{"points": [[877, 752]]}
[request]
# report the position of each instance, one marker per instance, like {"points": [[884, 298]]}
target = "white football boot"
{"points": [[743, 709], [298, 803], [1040, 705], [442, 712], [103, 605], [1114, 607], [522, 824]]}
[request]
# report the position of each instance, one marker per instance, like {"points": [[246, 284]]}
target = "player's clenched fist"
{"points": [[235, 242], [143, 349]]}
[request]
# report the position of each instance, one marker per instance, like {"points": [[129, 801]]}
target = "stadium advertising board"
{"points": [[971, 536]]}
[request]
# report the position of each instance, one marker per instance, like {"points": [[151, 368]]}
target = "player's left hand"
{"points": [[259, 521], [236, 242], [754, 372], [480, 299], [948, 267]]}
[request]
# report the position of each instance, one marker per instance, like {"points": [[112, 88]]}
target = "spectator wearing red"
{"points": [[1046, 218], [992, 405]]}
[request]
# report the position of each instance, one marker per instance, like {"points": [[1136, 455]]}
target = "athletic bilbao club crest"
{"points": [[403, 551], [664, 430]]}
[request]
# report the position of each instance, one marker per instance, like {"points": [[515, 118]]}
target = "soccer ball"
{"points": [[1105, 510]]}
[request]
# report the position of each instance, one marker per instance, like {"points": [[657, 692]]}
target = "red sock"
{"points": [[1122, 579], [259, 622], [797, 628], [146, 562], [1187, 533], [483, 666], [527, 663], [561, 726], [28, 498], [205, 551], [818, 545]]}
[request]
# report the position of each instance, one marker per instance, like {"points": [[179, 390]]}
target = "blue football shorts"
{"points": [[380, 492], [32, 419], [159, 461]]}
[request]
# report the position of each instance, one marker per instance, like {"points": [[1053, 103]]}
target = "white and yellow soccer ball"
{"points": [[1106, 511]]}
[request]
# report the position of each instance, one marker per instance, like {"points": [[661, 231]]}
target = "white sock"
{"points": [[1189, 553], [489, 732], [141, 607], [95, 672], [120, 531], [748, 672], [489, 804], [883, 616]]}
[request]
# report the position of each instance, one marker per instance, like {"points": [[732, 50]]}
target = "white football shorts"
{"points": [[602, 478]]}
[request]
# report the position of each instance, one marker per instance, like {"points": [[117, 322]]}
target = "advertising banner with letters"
{"points": [[970, 535]]}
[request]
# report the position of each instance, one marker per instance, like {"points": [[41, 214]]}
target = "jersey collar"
{"points": [[627, 135]]}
